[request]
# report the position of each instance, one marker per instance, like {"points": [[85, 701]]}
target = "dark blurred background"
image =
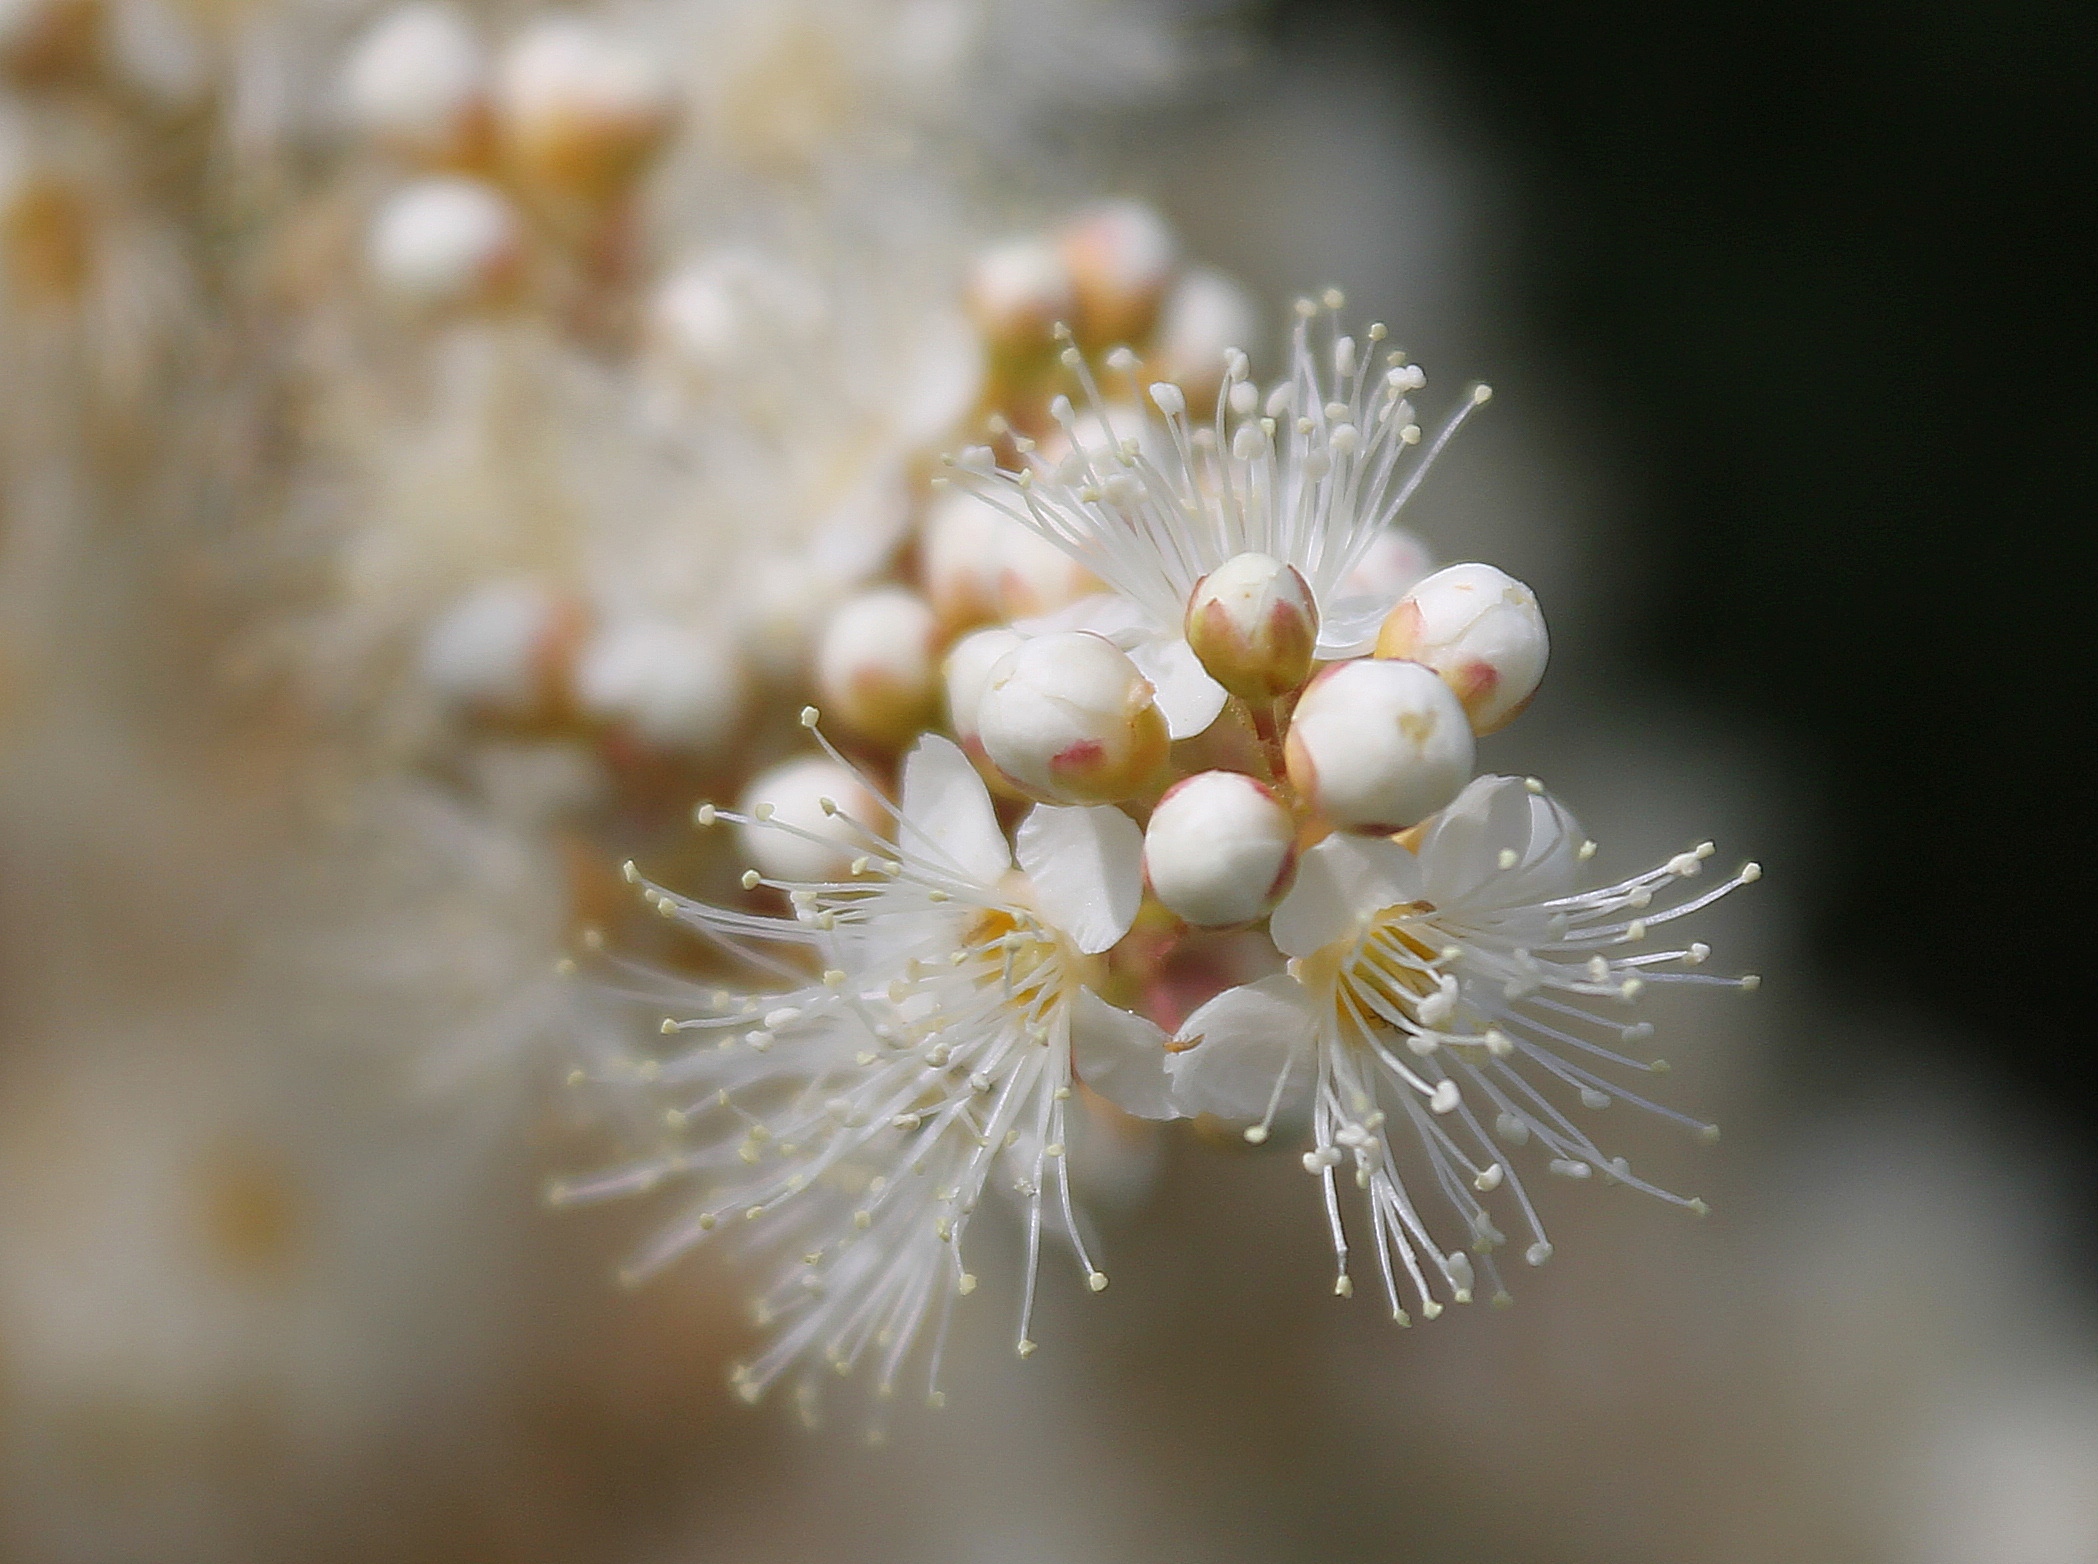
{"points": [[1827, 274]]}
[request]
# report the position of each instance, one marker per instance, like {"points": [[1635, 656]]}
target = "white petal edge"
{"points": [[1188, 698], [1086, 868], [1120, 1056], [1348, 627], [1340, 882], [1230, 1054], [947, 812]]}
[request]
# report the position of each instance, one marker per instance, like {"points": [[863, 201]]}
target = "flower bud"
{"points": [[1220, 849], [1120, 256], [418, 83], [1068, 719], [982, 565], [502, 649], [1017, 291], [445, 241], [1378, 746], [580, 112], [1204, 318], [674, 687], [967, 675], [1254, 624], [791, 797], [876, 668], [1482, 631]]}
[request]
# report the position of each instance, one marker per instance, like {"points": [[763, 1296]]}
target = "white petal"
{"points": [[1461, 850], [1187, 696], [1086, 867], [1348, 626], [1120, 1056], [947, 812], [1340, 882], [1232, 1052], [1103, 613]]}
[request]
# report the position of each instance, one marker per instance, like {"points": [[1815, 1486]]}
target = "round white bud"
{"points": [[968, 674], [580, 112], [1203, 319], [445, 241], [1394, 562], [1479, 628], [980, 564], [1254, 624], [1378, 746], [418, 82], [877, 669], [1120, 256], [1067, 718], [675, 687], [1220, 849], [791, 796], [1017, 290], [502, 649]]}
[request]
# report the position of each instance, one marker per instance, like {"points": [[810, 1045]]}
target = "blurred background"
{"points": [[364, 515]]}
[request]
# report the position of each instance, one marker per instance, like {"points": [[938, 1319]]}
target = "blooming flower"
{"points": [[1465, 987], [862, 1116], [1311, 475]]}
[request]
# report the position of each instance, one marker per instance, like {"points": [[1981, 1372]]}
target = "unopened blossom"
{"points": [[579, 111], [417, 83], [1253, 623], [807, 818], [1017, 290], [1311, 473], [876, 664], [1067, 718], [966, 674], [1378, 746], [1468, 994], [503, 649], [1120, 257], [671, 685], [980, 565], [1479, 628], [1206, 320], [854, 1121], [446, 240], [1220, 849]]}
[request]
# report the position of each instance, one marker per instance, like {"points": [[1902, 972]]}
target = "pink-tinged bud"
{"points": [[417, 83], [1017, 291], [580, 112], [981, 565], [1120, 256], [1254, 624], [1220, 849], [1482, 631], [503, 650], [673, 687], [446, 241], [1067, 719], [787, 802], [876, 666], [1378, 746]]}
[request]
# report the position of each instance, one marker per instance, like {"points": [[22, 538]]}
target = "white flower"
{"points": [[1311, 474], [860, 1118], [1467, 990]]}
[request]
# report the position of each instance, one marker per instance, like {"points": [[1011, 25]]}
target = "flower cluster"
{"points": [[1252, 708]]}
